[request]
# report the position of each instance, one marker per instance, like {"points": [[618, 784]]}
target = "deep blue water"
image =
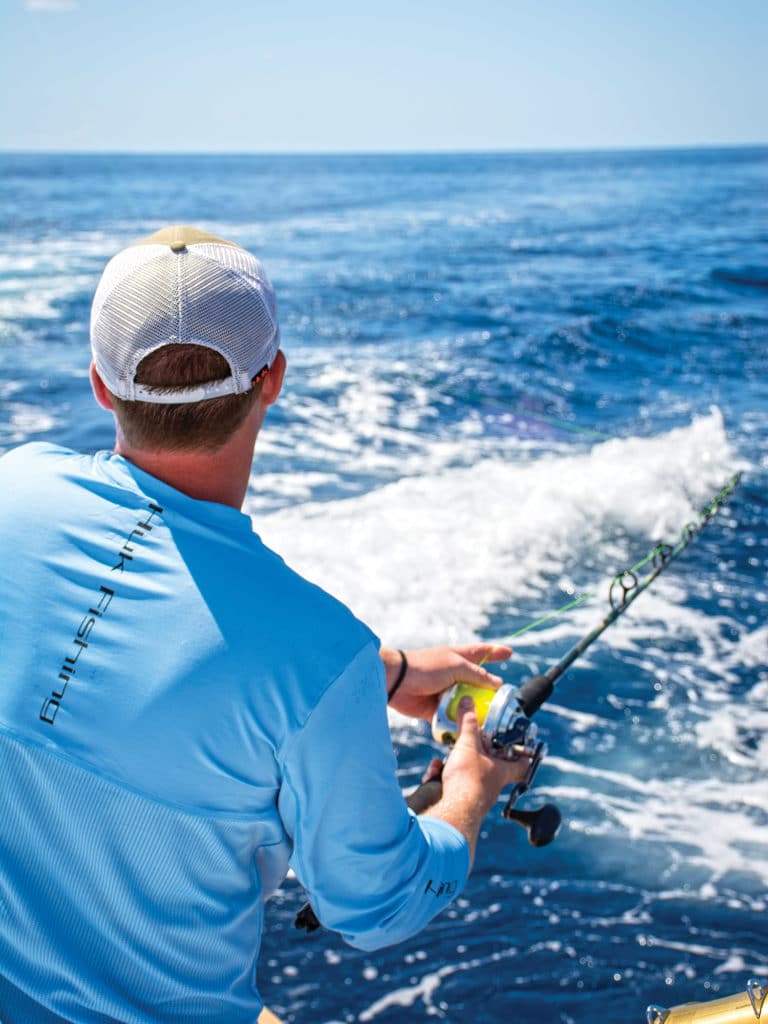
{"points": [[509, 374]]}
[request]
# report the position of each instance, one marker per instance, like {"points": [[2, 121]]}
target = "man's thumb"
{"points": [[469, 728]]}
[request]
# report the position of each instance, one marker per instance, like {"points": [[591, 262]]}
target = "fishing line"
{"points": [[551, 615], [625, 586]]}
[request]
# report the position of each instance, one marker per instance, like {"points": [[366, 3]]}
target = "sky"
{"points": [[402, 75]]}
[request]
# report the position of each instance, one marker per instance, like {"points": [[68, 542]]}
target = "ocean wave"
{"points": [[430, 557]]}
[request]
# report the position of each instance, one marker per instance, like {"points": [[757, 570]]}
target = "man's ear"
{"points": [[273, 382], [100, 391]]}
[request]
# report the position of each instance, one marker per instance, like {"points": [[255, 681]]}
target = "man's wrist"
{"points": [[392, 662], [392, 690]]}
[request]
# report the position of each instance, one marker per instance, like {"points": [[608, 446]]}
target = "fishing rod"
{"points": [[623, 590], [506, 713]]}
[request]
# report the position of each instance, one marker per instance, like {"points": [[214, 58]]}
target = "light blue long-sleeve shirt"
{"points": [[182, 717]]}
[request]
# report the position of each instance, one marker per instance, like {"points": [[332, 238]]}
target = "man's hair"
{"points": [[190, 426]]}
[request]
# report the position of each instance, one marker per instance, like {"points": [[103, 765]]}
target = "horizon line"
{"points": [[504, 151]]}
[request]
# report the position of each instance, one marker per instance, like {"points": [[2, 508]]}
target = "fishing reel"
{"points": [[509, 734]]}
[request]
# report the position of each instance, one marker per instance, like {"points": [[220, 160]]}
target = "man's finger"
{"points": [[469, 672], [468, 726], [434, 770], [480, 653]]}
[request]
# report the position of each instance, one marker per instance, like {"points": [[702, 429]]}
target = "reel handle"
{"points": [[542, 825]]}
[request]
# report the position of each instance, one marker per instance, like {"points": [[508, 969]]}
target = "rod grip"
{"points": [[534, 692], [424, 796]]}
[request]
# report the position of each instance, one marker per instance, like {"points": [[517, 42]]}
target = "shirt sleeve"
{"points": [[373, 871]]}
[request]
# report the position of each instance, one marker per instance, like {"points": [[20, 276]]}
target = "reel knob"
{"points": [[542, 825]]}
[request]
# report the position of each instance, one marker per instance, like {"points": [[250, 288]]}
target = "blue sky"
{"points": [[347, 75]]}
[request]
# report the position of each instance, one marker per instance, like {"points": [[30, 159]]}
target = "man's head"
{"points": [[183, 330]]}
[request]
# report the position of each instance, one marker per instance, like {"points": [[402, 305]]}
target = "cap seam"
{"points": [[179, 314]]}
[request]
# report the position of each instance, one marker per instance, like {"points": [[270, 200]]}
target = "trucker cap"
{"points": [[183, 286]]}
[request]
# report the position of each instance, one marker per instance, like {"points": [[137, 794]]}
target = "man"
{"points": [[181, 715]]}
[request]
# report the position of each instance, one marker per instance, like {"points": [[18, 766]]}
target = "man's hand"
{"points": [[472, 778], [432, 670]]}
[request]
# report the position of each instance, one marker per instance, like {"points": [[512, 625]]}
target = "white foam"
{"points": [[35, 275], [428, 558], [365, 223], [37, 297], [721, 825], [427, 986], [24, 421], [751, 649], [361, 425]]}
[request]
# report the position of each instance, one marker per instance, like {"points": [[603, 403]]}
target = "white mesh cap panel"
{"points": [[216, 295]]}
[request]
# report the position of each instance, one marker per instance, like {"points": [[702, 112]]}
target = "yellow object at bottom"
{"points": [[737, 1009], [267, 1017]]}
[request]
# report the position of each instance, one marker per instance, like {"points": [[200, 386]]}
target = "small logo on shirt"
{"points": [[441, 888], [98, 607]]}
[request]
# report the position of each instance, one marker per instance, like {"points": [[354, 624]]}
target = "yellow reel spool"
{"points": [[444, 727]]}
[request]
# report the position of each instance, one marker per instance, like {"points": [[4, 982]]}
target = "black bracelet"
{"points": [[400, 676]]}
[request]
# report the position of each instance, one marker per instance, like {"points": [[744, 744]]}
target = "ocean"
{"points": [[509, 377]]}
